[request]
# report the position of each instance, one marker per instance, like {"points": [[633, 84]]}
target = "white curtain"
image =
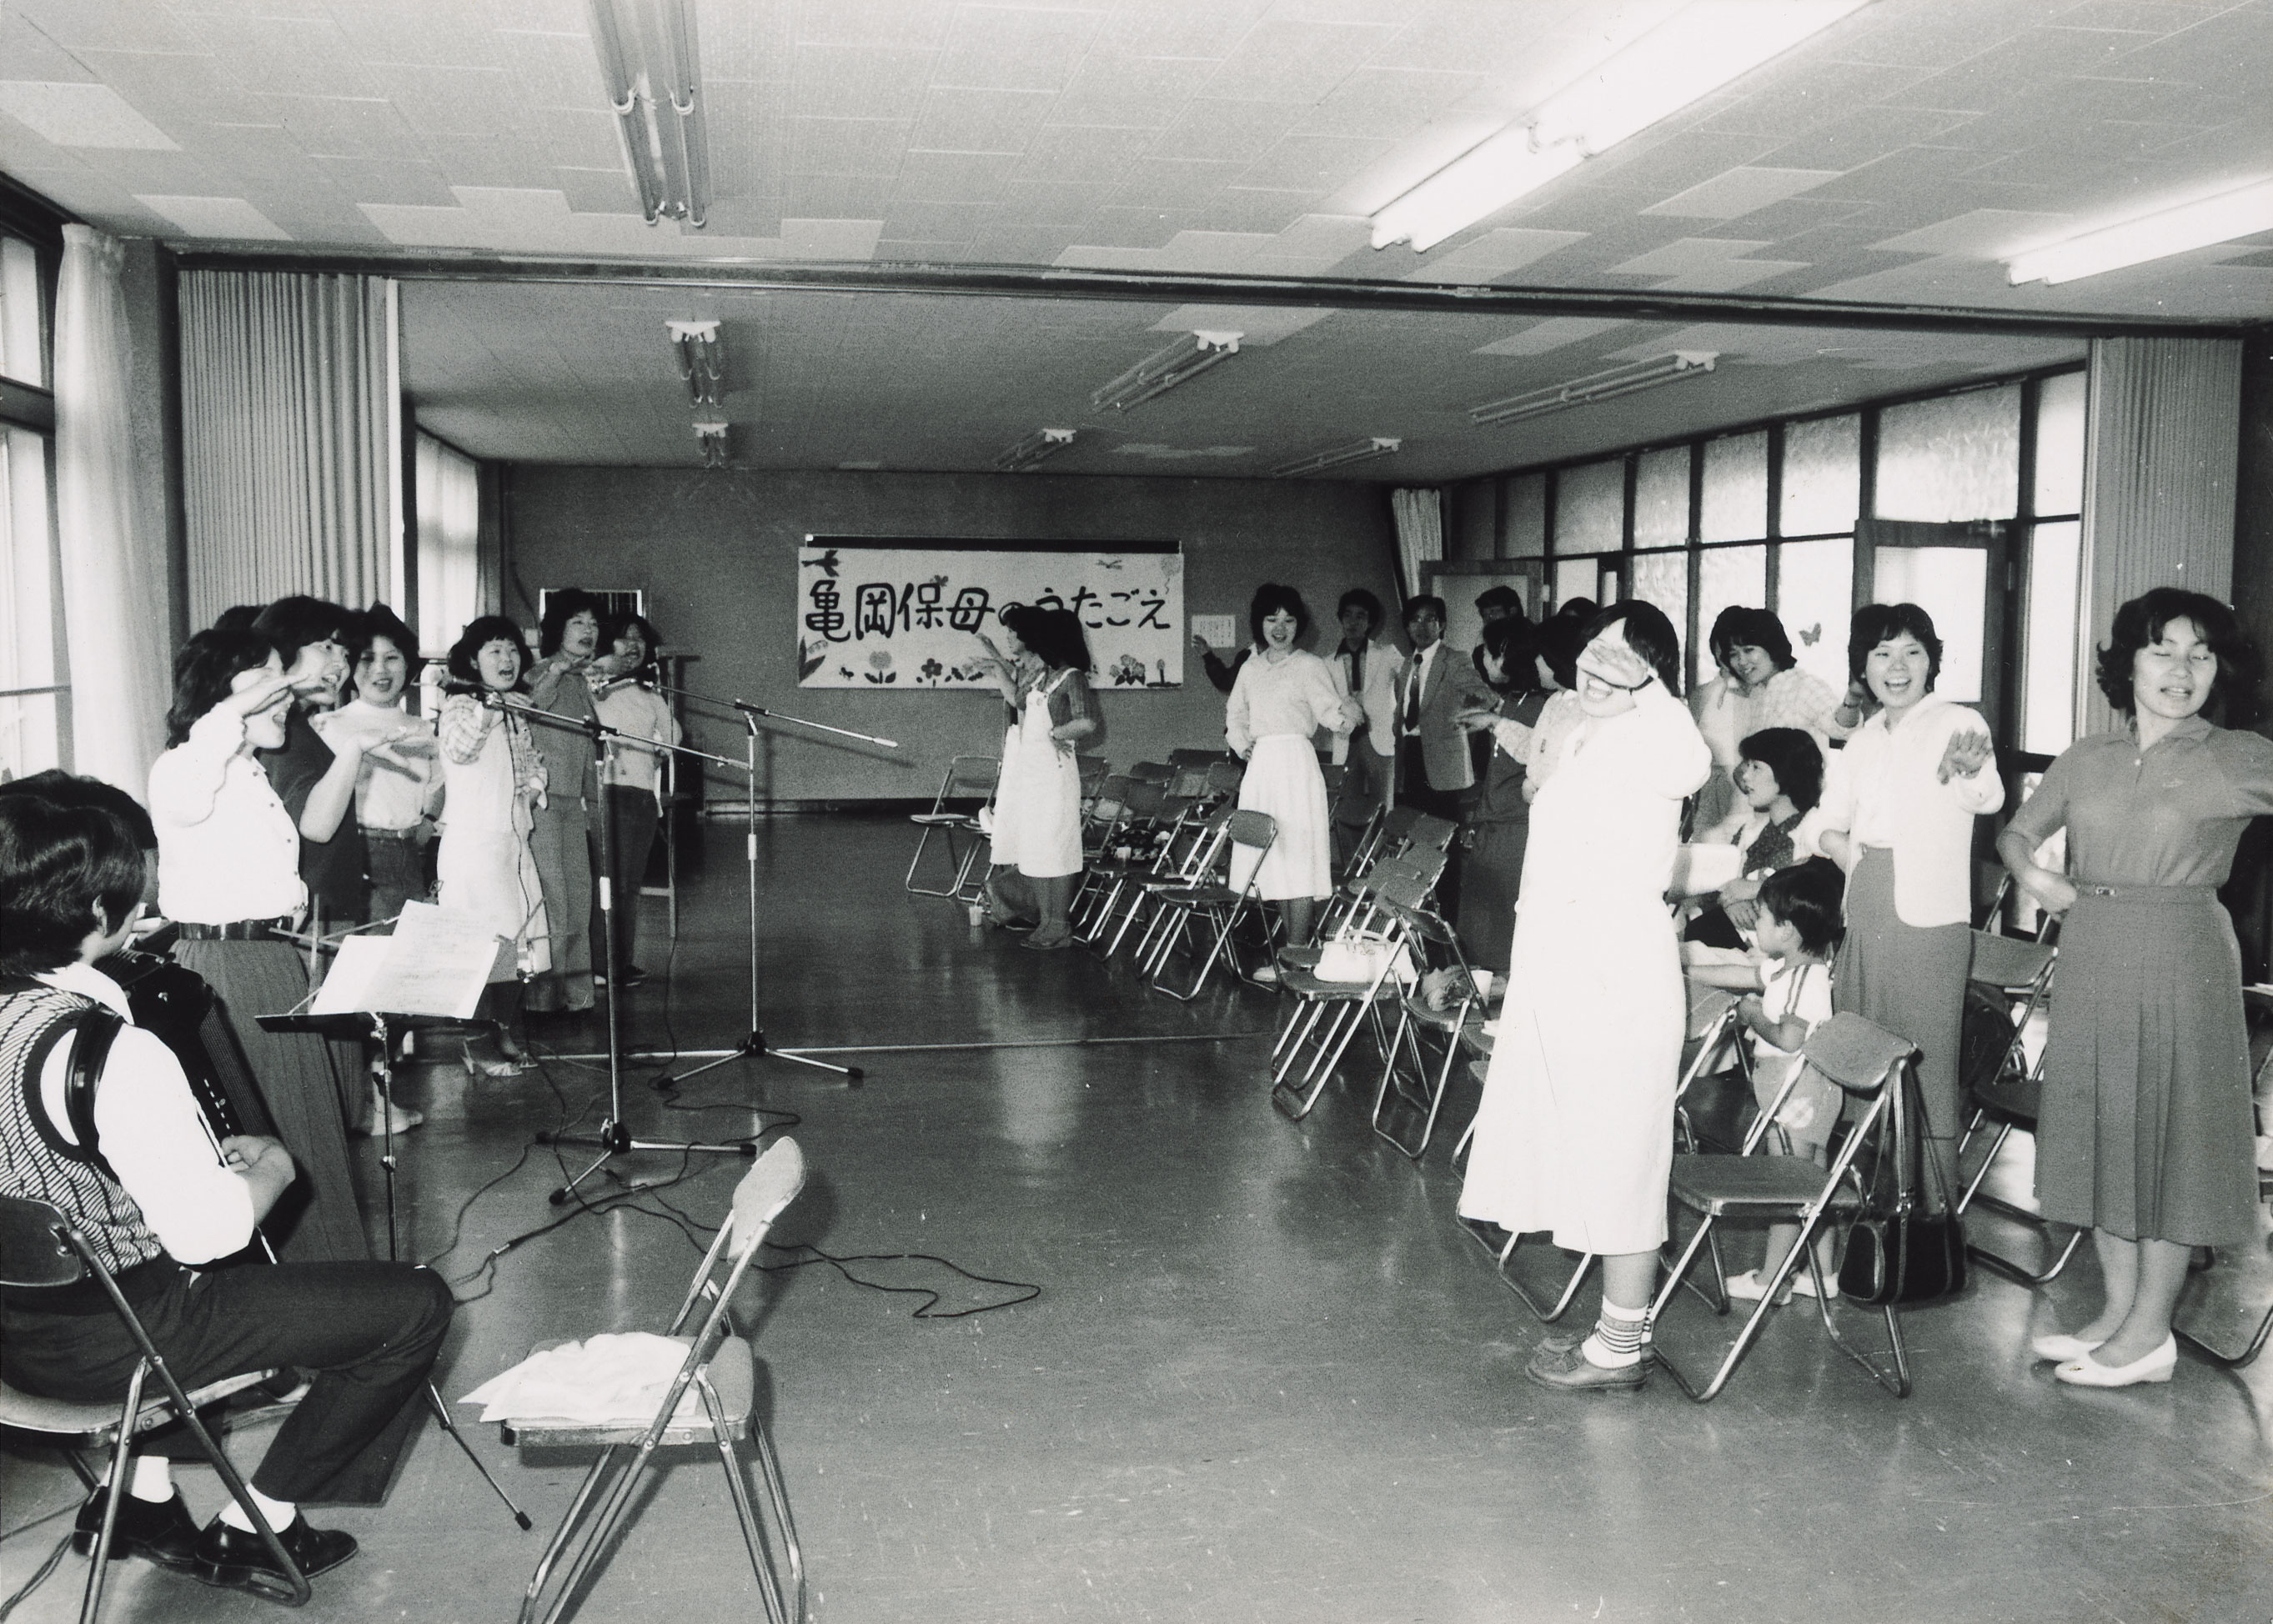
{"points": [[1419, 516], [291, 438], [449, 543], [114, 568]]}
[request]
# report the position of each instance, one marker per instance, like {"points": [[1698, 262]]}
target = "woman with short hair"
{"points": [[1498, 825], [1044, 678], [1897, 814], [1779, 782], [620, 693], [568, 642], [315, 778], [2144, 1133], [1759, 685], [229, 876]]}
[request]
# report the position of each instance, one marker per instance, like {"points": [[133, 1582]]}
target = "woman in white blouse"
{"points": [[1897, 814], [1282, 699], [634, 778], [1759, 685], [229, 876]]}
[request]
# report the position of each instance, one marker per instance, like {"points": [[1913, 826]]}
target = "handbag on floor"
{"points": [[1909, 1244]]}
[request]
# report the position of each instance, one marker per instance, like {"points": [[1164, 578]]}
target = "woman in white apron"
{"points": [[1575, 1132], [1037, 821], [1280, 700], [491, 773]]}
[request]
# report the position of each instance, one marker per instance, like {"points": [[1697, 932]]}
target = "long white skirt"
{"points": [[492, 875], [1283, 780], [1038, 804]]}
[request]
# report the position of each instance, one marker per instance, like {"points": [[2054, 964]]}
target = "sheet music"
{"points": [[435, 963]]}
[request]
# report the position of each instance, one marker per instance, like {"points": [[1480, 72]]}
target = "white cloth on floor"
{"points": [[616, 1376]]}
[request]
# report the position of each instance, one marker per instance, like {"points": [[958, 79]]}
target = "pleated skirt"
{"points": [[564, 868], [1910, 979], [1283, 780], [319, 1219], [2145, 1130]]}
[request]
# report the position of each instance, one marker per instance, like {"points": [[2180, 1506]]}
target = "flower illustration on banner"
{"points": [[1129, 671], [880, 667], [932, 670]]}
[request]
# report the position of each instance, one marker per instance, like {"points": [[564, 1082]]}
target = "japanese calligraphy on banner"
{"points": [[890, 612]]}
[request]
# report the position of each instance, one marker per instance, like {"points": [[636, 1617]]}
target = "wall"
{"points": [[716, 555]]}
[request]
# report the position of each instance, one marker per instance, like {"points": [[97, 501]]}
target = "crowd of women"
{"points": [[301, 797]]}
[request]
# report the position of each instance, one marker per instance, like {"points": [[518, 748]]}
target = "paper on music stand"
{"points": [[1700, 869], [435, 963]]}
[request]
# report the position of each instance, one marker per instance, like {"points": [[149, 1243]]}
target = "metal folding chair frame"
{"points": [[1223, 905], [2011, 968], [957, 784]]}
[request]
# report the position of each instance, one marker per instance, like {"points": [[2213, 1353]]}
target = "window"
{"points": [[34, 695], [1953, 457], [449, 535]]}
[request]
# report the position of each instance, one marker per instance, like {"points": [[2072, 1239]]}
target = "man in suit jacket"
{"points": [[1369, 664], [1437, 684]]}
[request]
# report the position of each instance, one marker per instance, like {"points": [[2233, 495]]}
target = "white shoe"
{"points": [[2060, 1347], [2089, 1372], [1268, 976], [1746, 1287], [387, 1117]]}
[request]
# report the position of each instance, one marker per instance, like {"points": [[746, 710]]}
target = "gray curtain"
{"points": [[291, 437]]}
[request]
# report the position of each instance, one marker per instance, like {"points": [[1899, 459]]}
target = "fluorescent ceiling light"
{"points": [[2201, 224], [1598, 387], [1694, 52], [718, 451], [1357, 450], [1040, 444], [1188, 357], [702, 352], [653, 82]]}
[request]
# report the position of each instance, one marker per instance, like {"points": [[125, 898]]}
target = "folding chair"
{"points": [[1187, 859], [1870, 1064], [2010, 981], [1385, 836], [1725, 1036], [2191, 1305], [1153, 772], [1248, 840], [40, 1247], [968, 778], [1197, 757], [722, 1372], [1325, 1015], [1406, 1072]]}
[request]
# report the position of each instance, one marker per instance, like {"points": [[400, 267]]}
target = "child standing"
{"points": [[1798, 931]]}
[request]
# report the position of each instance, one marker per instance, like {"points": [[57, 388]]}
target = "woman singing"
{"points": [[1043, 675], [1282, 699], [493, 776], [568, 639], [1575, 1131], [634, 776], [2144, 1131], [229, 875]]}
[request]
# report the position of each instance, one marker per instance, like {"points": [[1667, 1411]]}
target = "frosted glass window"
{"points": [[1661, 498], [1954, 458], [1822, 476], [2048, 678], [449, 541], [1736, 489], [1952, 585], [29, 733], [1815, 599], [1527, 516], [22, 354], [1662, 578], [2059, 447], [1725, 577], [1590, 508], [1576, 577]]}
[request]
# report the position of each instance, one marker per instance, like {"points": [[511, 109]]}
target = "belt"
{"points": [[408, 836], [236, 930], [2166, 895]]}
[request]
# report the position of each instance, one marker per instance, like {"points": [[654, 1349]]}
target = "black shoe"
{"points": [[634, 975], [239, 1561], [163, 1531]]}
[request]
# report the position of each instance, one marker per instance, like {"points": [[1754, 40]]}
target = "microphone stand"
{"points": [[614, 1137], [755, 1045]]}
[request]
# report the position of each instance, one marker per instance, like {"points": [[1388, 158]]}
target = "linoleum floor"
{"points": [[1267, 1377]]}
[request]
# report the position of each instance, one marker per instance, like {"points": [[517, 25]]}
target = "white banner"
{"points": [[889, 611]]}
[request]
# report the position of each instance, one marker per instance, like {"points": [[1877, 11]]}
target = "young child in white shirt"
{"points": [[1786, 997]]}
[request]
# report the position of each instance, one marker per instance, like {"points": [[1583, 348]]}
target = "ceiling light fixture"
{"points": [[1041, 444], [1597, 387], [2201, 224], [647, 51], [718, 451], [1694, 52], [1188, 357], [702, 352], [1356, 451]]}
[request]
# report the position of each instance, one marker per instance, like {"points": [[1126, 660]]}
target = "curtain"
{"points": [[1419, 516], [449, 541], [291, 438], [2162, 435], [116, 624]]}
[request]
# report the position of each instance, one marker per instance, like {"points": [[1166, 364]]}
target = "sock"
{"points": [[1617, 1342], [152, 1480], [280, 1513]]}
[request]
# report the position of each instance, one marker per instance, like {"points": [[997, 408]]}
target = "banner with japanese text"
{"points": [[877, 612]]}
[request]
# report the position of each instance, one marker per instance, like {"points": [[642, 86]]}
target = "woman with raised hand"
{"points": [[1897, 814], [1498, 826], [229, 876], [1283, 699], [1575, 1131], [1043, 674], [2144, 1131], [1759, 685], [493, 778], [316, 776]]}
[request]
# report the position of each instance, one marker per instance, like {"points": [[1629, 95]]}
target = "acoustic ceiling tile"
{"points": [[918, 23], [1212, 131], [555, 69], [1495, 254], [1315, 163], [216, 217], [944, 222], [1082, 154], [139, 171], [953, 177], [1981, 82], [427, 32], [1387, 104], [869, 147], [1299, 62], [385, 180], [1114, 228], [581, 139], [1002, 49], [1863, 136], [1258, 325], [1152, 182], [591, 191], [1543, 337], [1684, 256], [1812, 94], [1979, 234], [103, 25], [543, 16], [1256, 209], [836, 197], [342, 127], [1729, 275], [1200, 30], [310, 55], [1907, 174], [73, 115], [860, 81], [958, 120], [445, 102], [1019, 245], [1742, 191], [1049, 203]]}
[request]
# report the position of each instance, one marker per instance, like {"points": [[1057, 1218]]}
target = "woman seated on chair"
{"points": [[1779, 781], [1043, 677], [159, 1200]]}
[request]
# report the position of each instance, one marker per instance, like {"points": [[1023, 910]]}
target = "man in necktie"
{"points": [[1436, 686]]}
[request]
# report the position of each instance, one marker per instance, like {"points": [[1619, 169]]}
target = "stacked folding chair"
{"points": [[1218, 904], [969, 779], [1323, 1016], [1411, 1077]]}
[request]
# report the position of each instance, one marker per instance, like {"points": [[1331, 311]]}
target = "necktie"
{"points": [[1413, 696]]}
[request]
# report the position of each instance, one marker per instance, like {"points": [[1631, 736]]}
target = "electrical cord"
{"points": [[39, 1577], [930, 1308]]}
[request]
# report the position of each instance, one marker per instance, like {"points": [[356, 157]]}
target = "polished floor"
{"points": [[1267, 1378]]}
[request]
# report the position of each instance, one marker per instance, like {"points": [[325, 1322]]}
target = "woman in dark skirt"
{"points": [[2144, 1133], [1499, 822], [1897, 814]]}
